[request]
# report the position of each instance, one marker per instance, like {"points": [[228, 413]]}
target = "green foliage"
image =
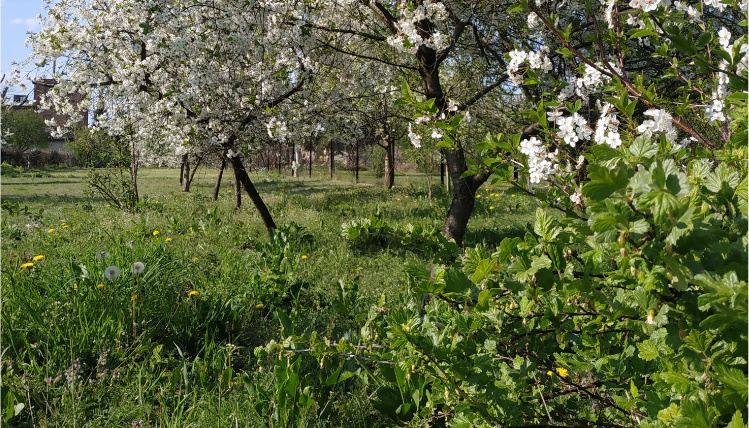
{"points": [[377, 161], [23, 129], [97, 147]]}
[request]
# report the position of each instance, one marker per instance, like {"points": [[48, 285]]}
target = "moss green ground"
{"points": [[83, 350]]}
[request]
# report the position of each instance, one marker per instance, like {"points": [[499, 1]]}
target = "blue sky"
{"points": [[17, 17]]}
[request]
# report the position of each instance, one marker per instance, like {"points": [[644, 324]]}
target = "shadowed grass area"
{"points": [[173, 345]]}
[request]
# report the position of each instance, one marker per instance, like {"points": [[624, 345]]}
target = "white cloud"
{"points": [[30, 23]]}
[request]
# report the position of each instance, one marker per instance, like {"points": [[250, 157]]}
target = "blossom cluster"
{"points": [[536, 61], [542, 164], [661, 123], [409, 37]]}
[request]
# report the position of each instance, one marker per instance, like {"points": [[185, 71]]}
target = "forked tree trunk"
{"points": [[332, 160], [217, 187], [240, 174], [464, 195]]}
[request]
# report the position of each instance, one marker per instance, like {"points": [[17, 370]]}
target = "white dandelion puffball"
{"points": [[101, 255], [111, 272], [138, 267]]}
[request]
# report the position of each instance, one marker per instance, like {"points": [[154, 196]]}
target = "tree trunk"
{"points": [[241, 176], [464, 195], [357, 161], [389, 163], [186, 174], [182, 169], [218, 179], [332, 160], [310, 157]]}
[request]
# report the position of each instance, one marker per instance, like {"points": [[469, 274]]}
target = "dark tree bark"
{"points": [[217, 187], [182, 170], [240, 174], [310, 157]]}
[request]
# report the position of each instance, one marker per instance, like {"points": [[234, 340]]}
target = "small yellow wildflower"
{"points": [[195, 259], [192, 293], [406, 196], [75, 288], [549, 373], [109, 205], [51, 231], [496, 268], [304, 256], [563, 372], [259, 306], [134, 298], [27, 265], [229, 191], [155, 202], [155, 233], [64, 226], [168, 240], [491, 208], [37, 258], [99, 286], [399, 199], [513, 196], [478, 196]]}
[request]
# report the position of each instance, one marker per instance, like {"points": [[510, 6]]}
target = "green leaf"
{"points": [[648, 350], [643, 148], [406, 92], [604, 182]]}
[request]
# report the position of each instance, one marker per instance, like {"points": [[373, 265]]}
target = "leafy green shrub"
{"points": [[9, 171]]}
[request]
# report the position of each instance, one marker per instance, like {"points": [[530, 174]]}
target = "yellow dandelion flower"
{"points": [[27, 265], [399, 199], [563, 372], [75, 288], [156, 233], [496, 268], [513, 196], [109, 205], [406, 196], [155, 202], [304, 256], [39, 257], [259, 306], [99, 286], [478, 196], [229, 191], [51, 231], [192, 293], [168, 240], [195, 259], [549, 373], [491, 208], [64, 226], [134, 298]]}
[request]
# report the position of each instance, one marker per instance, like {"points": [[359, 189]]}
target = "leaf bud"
{"points": [[623, 252]]}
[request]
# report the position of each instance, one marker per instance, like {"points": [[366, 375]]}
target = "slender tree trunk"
{"points": [[389, 163], [217, 187], [310, 157], [332, 160], [241, 176], [357, 161], [182, 169], [186, 176]]}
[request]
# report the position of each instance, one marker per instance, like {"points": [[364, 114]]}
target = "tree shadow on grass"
{"points": [[52, 200]]}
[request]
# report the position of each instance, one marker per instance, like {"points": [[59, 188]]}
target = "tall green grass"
{"points": [[172, 345]]}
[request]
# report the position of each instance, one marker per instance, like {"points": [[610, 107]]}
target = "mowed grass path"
{"points": [[82, 349]]}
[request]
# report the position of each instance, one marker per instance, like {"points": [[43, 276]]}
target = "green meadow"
{"points": [[152, 318]]}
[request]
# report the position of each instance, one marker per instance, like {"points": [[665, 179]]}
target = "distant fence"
{"points": [[37, 158]]}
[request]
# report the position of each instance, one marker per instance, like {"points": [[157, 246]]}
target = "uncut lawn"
{"points": [[173, 345]]}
